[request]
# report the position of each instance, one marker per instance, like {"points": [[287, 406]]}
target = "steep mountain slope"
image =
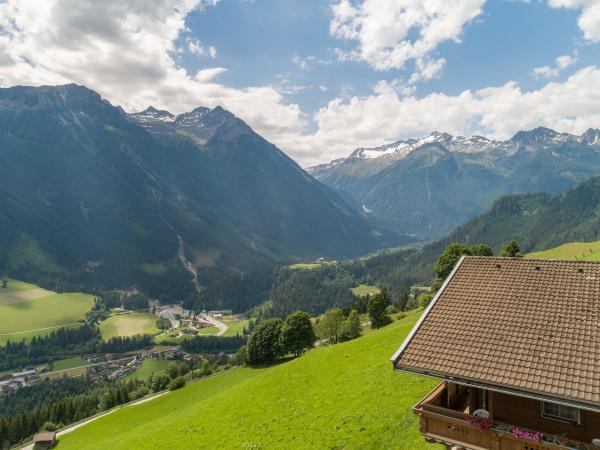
{"points": [[342, 396], [428, 186], [536, 221], [92, 196]]}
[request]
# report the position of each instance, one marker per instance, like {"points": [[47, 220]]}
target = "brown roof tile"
{"points": [[530, 325]]}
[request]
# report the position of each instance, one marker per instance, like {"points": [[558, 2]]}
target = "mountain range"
{"points": [[93, 197], [426, 187]]}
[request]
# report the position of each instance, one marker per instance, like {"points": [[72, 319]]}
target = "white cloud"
{"points": [[307, 63], [392, 32], [426, 69], [561, 63], [196, 47], [205, 75], [389, 114], [126, 50], [589, 20]]}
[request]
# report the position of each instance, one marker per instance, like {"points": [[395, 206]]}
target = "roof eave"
{"points": [[408, 338], [588, 406]]}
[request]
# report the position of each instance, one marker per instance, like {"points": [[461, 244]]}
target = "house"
{"points": [[25, 374], [516, 345], [221, 312], [44, 440]]}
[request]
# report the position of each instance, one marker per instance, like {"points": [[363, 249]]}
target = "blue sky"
{"points": [[321, 77], [257, 42]]}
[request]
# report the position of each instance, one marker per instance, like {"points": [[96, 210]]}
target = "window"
{"points": [[560, 412]]}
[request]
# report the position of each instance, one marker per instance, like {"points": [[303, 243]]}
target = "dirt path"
{"points": [[188, 265], [217, 323], [40, 329], [93, 419]]}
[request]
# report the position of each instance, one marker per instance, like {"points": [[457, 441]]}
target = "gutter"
{"points": [[438, 294]]}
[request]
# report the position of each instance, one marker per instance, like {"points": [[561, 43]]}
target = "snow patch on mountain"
{"points": [[533, 139]]}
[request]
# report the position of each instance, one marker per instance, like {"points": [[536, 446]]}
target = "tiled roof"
{"points": [[524, 324]]}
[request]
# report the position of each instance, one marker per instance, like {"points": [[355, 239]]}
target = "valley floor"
{"points": [[343, 396]]}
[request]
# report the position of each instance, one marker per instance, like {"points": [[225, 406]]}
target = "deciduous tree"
{"points": [[511, 249], [264, 345], [377, 311], [298, 333]]}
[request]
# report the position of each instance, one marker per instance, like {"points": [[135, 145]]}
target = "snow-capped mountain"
{"points": [[544, 137], [199, 124], [152, 114], [427, 186], [400, 149]]}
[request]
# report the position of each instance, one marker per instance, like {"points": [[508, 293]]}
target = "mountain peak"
{"points": [[151, 113], [536, 135]]}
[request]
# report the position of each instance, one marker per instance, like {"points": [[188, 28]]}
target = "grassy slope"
{"points": [[69, 363], [128, 325], [588, 251], [149, 366], [364, 289], [305, 266], [27, 310], [343, 396], [235, 326]]}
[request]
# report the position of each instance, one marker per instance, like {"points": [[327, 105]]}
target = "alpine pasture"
{"points": [[341, 396], [128, 325], [585, 251], [27, 310]]}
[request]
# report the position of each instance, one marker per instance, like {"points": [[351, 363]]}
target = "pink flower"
{"points": [[482, 424], [524, 434]]}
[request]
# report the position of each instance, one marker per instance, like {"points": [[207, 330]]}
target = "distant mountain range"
{"points": [[91, 196], [428, 186]]}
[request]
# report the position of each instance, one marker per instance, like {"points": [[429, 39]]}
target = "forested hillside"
{"points": [[536, 221], [428, 186], [94, 198]]}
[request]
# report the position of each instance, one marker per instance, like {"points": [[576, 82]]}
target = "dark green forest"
{"points": [[535, 221]]}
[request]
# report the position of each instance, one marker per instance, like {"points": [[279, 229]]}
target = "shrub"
{"points": [[177, 383]]}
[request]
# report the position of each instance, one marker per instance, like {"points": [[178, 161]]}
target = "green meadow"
{"points": [[585, 251], [27, 310], [236, 326], [344, 396], [305, 266], [149, 366], [365, 289], [128, 325]]}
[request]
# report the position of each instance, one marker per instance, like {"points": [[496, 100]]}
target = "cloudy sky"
{"points": [[321, 77]]}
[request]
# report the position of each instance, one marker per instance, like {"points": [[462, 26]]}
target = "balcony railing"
{"points": [[451, 427]]}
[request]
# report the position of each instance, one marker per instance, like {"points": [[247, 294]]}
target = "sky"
{"points": [[319, 78]]}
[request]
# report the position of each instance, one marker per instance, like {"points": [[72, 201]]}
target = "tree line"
{"points": [[64, 343], [53, 404]]}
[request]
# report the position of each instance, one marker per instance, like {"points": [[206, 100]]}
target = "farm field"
{"points": [[305, 266], [365, 289], [341, 396], [207, 331], [166, 339], [235, 325], [128, 325], [69, 363], [586, 251], [149, 366], [27, 310]]}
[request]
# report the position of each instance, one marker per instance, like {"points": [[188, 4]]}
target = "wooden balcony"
{"points": [[453, 426]]}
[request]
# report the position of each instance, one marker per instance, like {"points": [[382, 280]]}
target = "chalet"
{"points": [[516, 345]]}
